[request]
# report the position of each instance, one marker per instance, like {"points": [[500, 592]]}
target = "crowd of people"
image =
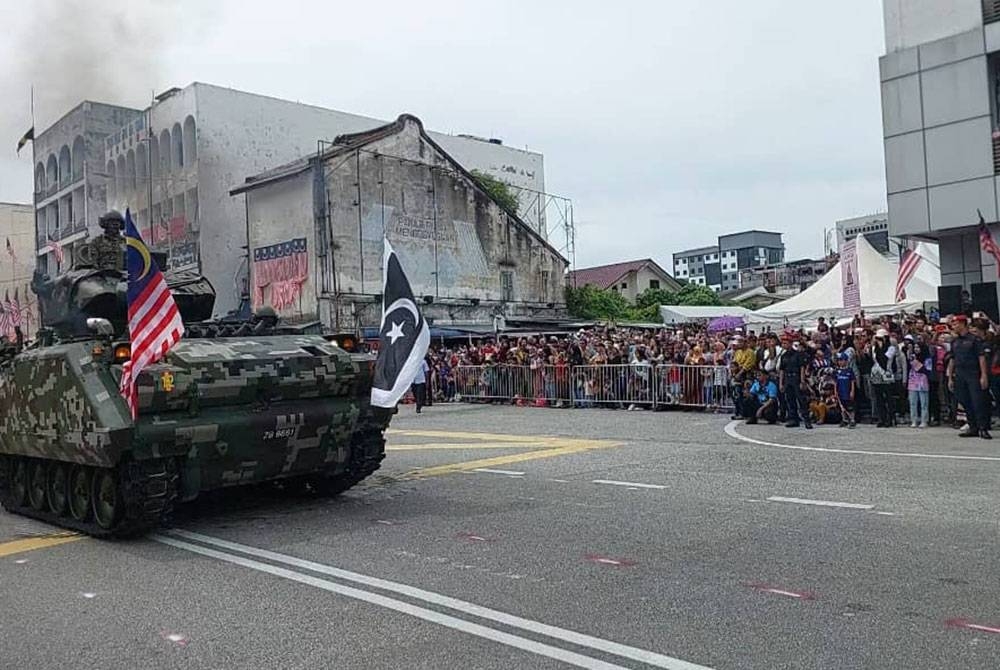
{"points": [[913, 368]]}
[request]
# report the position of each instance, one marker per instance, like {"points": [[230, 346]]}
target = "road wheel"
{"points": [[19, 481], [106, 501], [57, 488], [79, 492], [36, 486]]}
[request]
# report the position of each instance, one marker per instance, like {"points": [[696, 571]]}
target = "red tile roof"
{"points": [[603, 276]]}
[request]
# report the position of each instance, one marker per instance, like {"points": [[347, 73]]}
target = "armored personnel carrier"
{"points": [[234, 402]]}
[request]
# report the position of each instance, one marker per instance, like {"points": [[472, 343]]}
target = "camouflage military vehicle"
{"points": [[232, 403]]}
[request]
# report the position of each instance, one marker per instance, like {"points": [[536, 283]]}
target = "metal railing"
{"points": [[639, 385]]}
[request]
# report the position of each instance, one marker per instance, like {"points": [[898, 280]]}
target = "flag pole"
{"points": [[34, 162]]}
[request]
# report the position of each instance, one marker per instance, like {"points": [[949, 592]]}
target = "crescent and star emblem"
{"points": [[143, 252], [396, 331]]}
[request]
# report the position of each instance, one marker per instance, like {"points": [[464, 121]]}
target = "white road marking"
{"points": [[561, 481], [512, 473], [612, 482], [886, 513], [985, 629], [821, 503], [573, 637], [782, 592], [731, 432]]}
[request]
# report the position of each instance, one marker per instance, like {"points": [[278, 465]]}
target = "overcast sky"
{"points": [[667, 123]]}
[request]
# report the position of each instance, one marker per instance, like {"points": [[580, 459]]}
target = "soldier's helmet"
{"points": [[112, 220]]}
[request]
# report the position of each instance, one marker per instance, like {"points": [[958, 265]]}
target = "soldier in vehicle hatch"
{"points": [[108, 251]]}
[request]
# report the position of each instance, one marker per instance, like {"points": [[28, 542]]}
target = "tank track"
{"points": [[367, 452], [147, 493]]}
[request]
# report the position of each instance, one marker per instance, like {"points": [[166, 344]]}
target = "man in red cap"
{"points": [[967, 376]]}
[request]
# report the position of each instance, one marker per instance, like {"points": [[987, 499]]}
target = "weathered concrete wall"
{"points": [[912, 22], [241, 134], [17, 224], [456, 245], [279, 213]]}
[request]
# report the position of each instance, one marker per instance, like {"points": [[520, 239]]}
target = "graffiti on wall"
{"points": [[279, 270]]}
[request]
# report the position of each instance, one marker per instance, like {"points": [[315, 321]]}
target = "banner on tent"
{"points": [[849, 275]]}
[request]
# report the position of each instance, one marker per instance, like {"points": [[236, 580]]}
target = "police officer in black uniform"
{"points": [[967, 377], [794, 368]]}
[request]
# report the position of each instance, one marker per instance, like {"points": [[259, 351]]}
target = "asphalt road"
{"points": [[500, 537]]}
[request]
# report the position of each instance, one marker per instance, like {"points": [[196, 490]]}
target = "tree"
{"points": [[592, 303], [499, 191], [695, 295]]}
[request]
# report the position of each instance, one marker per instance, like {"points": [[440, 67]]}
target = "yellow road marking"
{"points": [[32, 543], [457, 445], [570, 447], [485, 437]]}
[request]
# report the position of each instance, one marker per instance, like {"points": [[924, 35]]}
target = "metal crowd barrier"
{"points": [[661, 386]]}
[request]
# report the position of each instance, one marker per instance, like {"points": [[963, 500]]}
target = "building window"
{"points": [[654, 283], [624, 286], [507, 286]]}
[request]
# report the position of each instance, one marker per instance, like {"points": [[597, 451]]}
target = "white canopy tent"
{"points": [[877, 278], [674, 314]]}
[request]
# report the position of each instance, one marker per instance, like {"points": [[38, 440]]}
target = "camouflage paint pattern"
{"points": [[236, 410]]}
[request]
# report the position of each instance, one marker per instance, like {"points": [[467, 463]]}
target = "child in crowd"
{"points": [[845, 389]]}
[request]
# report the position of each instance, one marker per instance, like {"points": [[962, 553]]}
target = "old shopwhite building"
{"points": [[316, 228], [17, 226], [174, 164]]}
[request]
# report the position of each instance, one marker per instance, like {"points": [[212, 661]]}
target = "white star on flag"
{"points": [[395, 332]]}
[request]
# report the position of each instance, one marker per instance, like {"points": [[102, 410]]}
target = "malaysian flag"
{"points": [[987, 243], [15, 311], [154, 323], [907, 268], [57, 250], [5, 319]]}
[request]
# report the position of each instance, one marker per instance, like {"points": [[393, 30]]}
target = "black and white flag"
{"points": [[403, 337]]}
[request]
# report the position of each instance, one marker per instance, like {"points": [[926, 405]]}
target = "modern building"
{"points": [[629, 279], [174, 163], [699, 266], [17, 262], [316, 227], [752, 248], [719, 266], [873, 227], [940, 80], [786, 279]]}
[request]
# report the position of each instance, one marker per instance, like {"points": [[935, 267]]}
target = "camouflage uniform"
{"points": [[108, 250]]}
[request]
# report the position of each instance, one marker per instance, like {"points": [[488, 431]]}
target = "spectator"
{"points": [[846, 387], [918, 384], [883, 355], [761, 400]]}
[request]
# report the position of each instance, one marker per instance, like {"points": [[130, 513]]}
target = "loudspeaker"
{"points": [[984, 299], [949, 299]]}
